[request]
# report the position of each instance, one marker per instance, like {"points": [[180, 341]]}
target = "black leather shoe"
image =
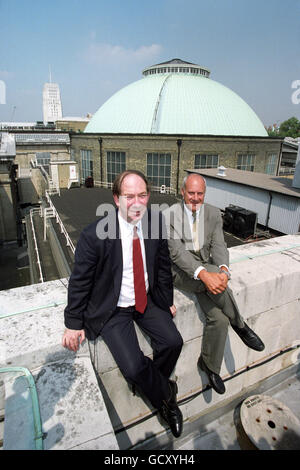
{"points": [[249, 337], [170, 411], [215, 380]]}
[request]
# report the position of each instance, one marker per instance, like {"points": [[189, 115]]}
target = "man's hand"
{"points": [[173, 310], [72, 338], [214, 282]]}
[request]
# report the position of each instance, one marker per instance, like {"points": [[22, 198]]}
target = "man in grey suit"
{"points": [[200, 261]]}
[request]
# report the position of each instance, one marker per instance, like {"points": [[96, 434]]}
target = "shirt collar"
{"points": [[190, 213], [127, 226]]}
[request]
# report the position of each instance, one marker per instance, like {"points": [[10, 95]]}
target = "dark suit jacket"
{"points": [[95, 282]]}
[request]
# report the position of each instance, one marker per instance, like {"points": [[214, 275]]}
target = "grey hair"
{"points": [[187, 176]]}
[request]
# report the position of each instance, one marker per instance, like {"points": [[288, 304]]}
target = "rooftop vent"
{"points": [[221, 171]]}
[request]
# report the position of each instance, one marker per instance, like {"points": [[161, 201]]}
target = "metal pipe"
{"points": [[265, 253], [54, 304], [269, 210], [179, 143], [101, 158], [38, 433]]}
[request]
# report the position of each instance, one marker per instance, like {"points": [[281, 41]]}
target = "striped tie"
{"points": [[195, 232]]}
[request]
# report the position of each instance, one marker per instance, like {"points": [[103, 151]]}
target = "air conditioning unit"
{"points": [[229, 217], [244, 224], [239, 221]]}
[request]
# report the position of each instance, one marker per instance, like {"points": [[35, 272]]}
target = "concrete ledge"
{"points": [[72, 409], [265, 281]]}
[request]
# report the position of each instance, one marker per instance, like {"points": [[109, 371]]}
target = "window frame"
{"points": [[199, 165], [114, 167], [162, 168], [246, 166]]}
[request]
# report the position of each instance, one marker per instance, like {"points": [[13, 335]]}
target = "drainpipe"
{"points": [[269, 209], [101, 159], [179, 143]]}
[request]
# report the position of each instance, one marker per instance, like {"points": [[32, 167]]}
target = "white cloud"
{"points": [[108, 54]]}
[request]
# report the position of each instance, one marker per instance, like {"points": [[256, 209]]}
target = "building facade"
{"points": [[164, 158], [175, 117], [8, 202], [52, 107]]}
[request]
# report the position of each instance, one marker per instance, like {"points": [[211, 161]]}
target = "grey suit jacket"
{"points": [[213, 250]]}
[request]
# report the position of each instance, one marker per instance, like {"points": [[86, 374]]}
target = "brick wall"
{"points": [[136, 148]]}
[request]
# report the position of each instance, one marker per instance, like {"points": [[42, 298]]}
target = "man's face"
{"points": [[134, 198], [194, 192]]}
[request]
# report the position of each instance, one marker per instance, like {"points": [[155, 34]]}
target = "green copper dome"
{"points": [[176, 97]]}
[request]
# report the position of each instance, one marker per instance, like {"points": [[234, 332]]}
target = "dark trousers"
{"points": [[150, 376]]}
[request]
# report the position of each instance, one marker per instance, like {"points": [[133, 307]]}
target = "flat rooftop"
{"points": [[77, 208], [249, 178]]}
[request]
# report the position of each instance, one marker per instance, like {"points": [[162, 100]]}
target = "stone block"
{"points": [[72, 408]]}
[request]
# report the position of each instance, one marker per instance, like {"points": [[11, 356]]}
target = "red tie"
{"points": [[138, 274]]}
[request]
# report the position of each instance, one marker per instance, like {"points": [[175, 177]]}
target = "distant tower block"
{"points": [[52, 108]]}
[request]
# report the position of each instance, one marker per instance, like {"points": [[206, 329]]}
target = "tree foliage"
{"points": [[288, 128]]}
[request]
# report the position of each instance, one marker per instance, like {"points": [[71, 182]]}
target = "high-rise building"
{"points": [[52, 108]]}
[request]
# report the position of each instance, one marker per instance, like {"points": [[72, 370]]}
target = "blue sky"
{"points": [[96, 47]]}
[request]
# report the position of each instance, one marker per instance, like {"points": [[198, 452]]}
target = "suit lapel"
{"points": [[184, 226], [146, 229], [205, 222], [114, 245]]}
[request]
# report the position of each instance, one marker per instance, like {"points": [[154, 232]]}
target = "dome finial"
{"points": [[177, 66]]}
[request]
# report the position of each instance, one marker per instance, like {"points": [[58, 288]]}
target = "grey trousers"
{"points": [[219, 310]]}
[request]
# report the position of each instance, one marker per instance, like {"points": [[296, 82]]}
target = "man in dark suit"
{"points": [[122, 275], [200, 261]]}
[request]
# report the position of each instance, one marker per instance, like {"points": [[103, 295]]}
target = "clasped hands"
{"points": [[215, 283]]}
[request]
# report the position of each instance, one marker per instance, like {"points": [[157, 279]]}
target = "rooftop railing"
{"points": [[35, 211], [53, 213]]}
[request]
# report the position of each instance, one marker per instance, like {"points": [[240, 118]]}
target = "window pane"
{"points": [[206, 161], [86, 163], [245, 162], [159, 168], [115, 164]]}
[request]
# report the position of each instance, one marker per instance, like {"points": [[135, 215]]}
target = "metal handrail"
{"points": [[59, 221], [160, 189], [35, 244], [163, 189]]}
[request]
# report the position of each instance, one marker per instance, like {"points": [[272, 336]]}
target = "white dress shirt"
{"points": [[127, 297]]}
